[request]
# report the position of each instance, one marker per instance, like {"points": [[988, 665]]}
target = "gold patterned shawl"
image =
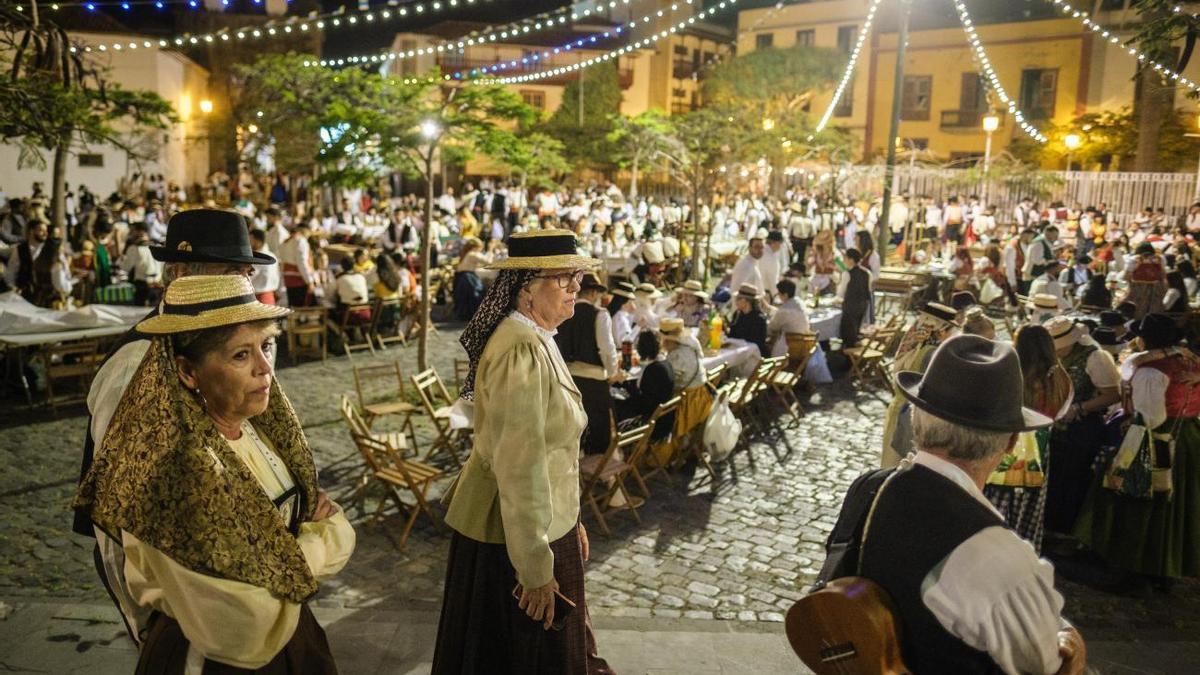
{"points": [[165, 474]]}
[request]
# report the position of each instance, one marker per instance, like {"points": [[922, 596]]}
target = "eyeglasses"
{"points": [[564, 279]]}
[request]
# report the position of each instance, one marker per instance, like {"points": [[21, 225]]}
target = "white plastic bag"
{"points": [[721, 431]]}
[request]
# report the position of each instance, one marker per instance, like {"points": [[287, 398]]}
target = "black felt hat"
{"points": [[209, 236], [974, 382]]}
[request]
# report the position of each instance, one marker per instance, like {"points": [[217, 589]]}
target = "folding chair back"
{"points": [[602, 477], [309, 322], [380, 390], [656, 453], [715, 375], [350, 324], [437, 403], [353, 420], [801, 348], [398, 475], [385, 334]]}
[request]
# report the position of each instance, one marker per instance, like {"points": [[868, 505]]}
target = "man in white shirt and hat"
{"points": [[747, 271], [774, 262], [789, 317], [973, 597], [1048, 284]]}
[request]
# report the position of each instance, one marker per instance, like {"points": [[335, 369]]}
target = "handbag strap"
{"points": [[862, 542]]}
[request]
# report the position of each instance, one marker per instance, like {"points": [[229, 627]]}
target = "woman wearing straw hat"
{"points": [[691, 303], [749, 322], [1080, 432], [206, 482], [623, 308], [517, 543]]}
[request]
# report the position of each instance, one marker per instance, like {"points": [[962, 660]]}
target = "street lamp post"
{"points": [[991, 122], [1072, 142], [431, 131], [885, 211]]}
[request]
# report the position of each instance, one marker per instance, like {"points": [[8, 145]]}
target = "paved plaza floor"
{"points": [[700, 585]]}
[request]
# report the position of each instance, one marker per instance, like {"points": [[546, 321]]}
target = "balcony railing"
{"points": [[962, 119]]}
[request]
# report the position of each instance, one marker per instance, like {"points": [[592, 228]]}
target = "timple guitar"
{"points": [[849, 627]]}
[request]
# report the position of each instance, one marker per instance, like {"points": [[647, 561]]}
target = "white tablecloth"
{"points": [[741, 356], [22, 323], [826, 321]]}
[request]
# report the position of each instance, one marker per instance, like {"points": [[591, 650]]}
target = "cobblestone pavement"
{"points": [[743, 549]]}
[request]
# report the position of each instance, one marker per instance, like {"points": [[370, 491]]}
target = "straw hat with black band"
{"points": [[543, 250], [694, 287], [648, 290], [208, 301], [624, 289], [208, 236]]}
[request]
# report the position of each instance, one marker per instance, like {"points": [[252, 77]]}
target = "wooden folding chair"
{"points": [[690, 418], [437, 403], [656, 455], [783, 382], [801, 348], [715, 376], [391, 332], [69, 362], [741, 396], [866, 358], [357, 425], [602, 477], [380, 392], [461, 368], [308, 322], [347, 326], [387, 466]]}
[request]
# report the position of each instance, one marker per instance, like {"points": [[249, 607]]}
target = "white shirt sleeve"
{"points": [[109, 384], [606, 343], [1150, 395], [1103, 370], [994, 594]]}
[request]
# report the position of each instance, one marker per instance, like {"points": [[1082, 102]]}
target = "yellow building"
{"points": [[1054, 68]]}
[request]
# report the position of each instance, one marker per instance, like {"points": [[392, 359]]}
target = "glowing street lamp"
{"points": [[991, 122], [768, 124], [430, 129], [1071, 141], [206, 106]]}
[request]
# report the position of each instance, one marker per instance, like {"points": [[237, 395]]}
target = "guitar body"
{"points": [[849, 627]]}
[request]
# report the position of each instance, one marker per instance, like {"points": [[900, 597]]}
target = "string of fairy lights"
{"points": [[292, 25], [990, 73], [615, 53], [846, 77], [1133, 52], [527, 59]]}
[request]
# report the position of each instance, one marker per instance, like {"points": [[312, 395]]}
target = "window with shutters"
{"points": [[845, 104], [847, 36], [973, 97], [764, 40], [534, 98], [91, 160], [806, 38], [1039, 89], [914, 104]]}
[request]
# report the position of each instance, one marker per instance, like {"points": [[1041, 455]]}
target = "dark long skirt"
{"points": [[1070, 470], [482, 630], [1158, 536], [468, 293], [166, 648], [598, 404]]}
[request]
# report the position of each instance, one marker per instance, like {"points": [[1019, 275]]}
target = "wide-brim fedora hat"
{"points": [[208, 301], [591, 283], [209, 236], [951, 388], [543, 250]]}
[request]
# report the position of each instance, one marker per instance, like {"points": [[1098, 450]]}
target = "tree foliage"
{"points": [[773, 81], [587, 144], [54, 99], [637, 140], [1109, 139], [536, 159]]}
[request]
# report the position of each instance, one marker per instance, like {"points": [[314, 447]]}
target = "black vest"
{"points": [[858, 290], [82, 523], [576, 336], [25, 277], [919, 519]]}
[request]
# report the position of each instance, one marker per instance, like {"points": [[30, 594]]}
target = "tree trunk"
{"points": [[633, 173], [58, 189], [426, 276], [1153, 102], [696, 230]]}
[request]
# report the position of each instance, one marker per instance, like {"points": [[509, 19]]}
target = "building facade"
{"points": [[179, 153], [1055, 68]]}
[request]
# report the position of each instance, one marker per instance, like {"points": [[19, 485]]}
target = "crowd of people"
{"points": [[591, 297]]}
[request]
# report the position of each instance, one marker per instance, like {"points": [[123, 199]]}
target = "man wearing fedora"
{"points": [[590, 352], [1047, 283], [199, 241], [971, 596]]}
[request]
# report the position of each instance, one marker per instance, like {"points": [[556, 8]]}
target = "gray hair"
{"points": [[932, 433]]}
